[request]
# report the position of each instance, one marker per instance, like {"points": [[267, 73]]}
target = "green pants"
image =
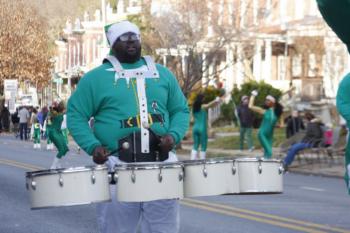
{"points": [[36, 136], [57, 138], [48, 140], [266, 143], [242, 132], [65, 134], [200, 138]]}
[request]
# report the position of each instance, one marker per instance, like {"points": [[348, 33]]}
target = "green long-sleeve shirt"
{"points": [[337, 15], [109, 102]]}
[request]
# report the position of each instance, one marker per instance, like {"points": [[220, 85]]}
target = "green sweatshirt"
{"points": [[337, 14], [109, 102]]}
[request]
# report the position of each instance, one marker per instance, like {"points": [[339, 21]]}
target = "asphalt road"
{"points": [[308, 204]]}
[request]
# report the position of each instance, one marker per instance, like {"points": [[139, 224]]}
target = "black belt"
{"points": [[135, 121]]}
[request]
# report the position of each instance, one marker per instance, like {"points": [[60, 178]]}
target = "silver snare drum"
{"points": [[68, 187], [258, 175], [210, 177], [147, 181]]}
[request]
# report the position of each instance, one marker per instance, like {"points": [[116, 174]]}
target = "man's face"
{"points": [[245, 101], [127, 48]]}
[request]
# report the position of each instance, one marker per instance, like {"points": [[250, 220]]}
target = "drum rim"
{"points": [[65, 170], [208, 161], [258, 160], [147, 165], [71, 204]]}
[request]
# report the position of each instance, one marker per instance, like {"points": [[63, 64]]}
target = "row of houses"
{"points": [[283, 42]]}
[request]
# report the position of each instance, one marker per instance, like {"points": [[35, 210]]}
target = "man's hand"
{"points": [[100, 155], [166, 143]]}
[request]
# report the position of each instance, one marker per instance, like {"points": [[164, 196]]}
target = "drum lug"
{"points": [[27, 185], [33, 184], [205, 171], [234, 169], [133, 176], [160, 176], [260, 167], [280, 169], [93, 177], [109, 178], [116, 177], [60, 181], [181, 176]]}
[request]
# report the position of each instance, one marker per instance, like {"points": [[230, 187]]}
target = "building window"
{"points": [[296, 66], [281, 61], [312, 69]]}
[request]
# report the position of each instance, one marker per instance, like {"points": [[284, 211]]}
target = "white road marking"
{"points": [[312, 189]]}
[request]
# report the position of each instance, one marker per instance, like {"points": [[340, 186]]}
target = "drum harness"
{"points": [[129, 148]]}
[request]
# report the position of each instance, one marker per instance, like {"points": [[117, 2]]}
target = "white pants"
{"points": [[161, 216]]}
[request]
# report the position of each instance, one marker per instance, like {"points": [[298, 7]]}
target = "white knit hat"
{"points": [[271, 98], [117, 29], [244, 97]]}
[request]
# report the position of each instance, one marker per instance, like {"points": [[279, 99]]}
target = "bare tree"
{"points": [[24, 44], [196, 27]]}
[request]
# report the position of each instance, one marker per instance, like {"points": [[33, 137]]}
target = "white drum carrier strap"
{"points": [[140, 76]]}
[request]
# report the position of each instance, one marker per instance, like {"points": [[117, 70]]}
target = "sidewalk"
{"points": [[316, 168]]}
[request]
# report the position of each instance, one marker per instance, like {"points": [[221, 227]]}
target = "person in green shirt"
{"points": [[199, 130], [55, 134], [124, 102], [271, 113], [337, 13]]}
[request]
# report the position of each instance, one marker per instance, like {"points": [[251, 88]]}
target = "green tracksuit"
{"points": [[265, 134], [337, 14], [36, 135], [55, 134], [199, 131], [110, 102]]}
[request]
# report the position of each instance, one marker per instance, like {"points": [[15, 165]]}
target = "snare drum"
{"points": [[139, 182], [68, 187], [257, 175], [210, 177]]}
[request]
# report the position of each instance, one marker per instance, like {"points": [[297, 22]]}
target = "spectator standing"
{"points": [[294, 124], [15, 122], [328, 135], [5, 118], [246, 118], [23, 122]]}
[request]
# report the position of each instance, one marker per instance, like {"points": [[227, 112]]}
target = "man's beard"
{"points": [[125, 57]]}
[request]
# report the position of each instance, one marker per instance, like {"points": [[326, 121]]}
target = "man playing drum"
{"points": [[137, 102], [336, 14]]}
